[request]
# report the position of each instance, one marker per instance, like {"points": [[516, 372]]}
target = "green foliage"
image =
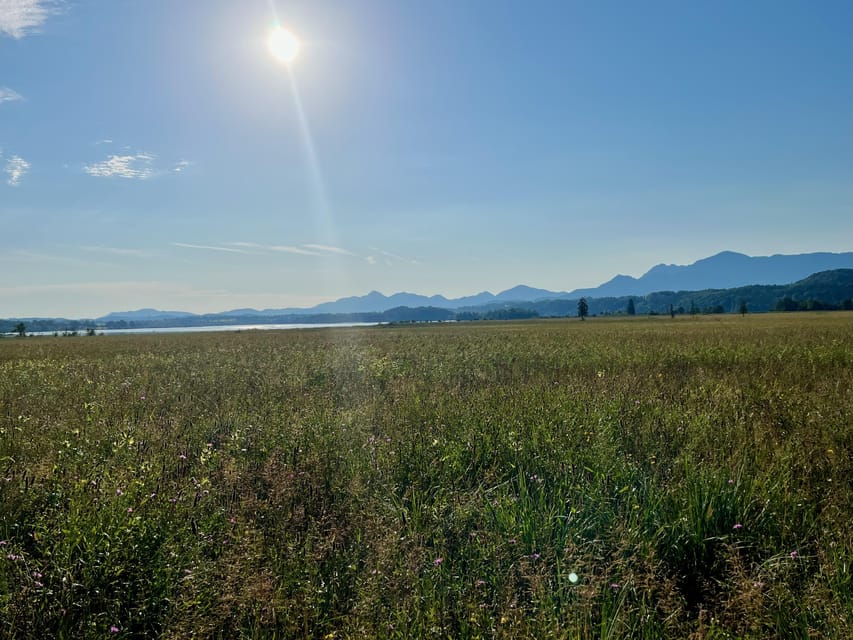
{"points": [[650, 478]]}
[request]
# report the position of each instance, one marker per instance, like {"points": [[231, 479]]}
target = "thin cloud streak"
{"points": [[254, 248], [92, 287], [296, 250], [23, 255], [20, 17], [119, 251], [394, 256], [330, 249], [275, 248], [207, 247]]}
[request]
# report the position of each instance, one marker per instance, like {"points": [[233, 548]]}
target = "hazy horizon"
{"points": [[157, 155]]}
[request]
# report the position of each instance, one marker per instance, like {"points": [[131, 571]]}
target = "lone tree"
{"points": [[21, 329], [583, 309], [743, 310], [631, 310]]}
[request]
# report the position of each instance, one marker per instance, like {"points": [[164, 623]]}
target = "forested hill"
{"points": [[824, 290]]}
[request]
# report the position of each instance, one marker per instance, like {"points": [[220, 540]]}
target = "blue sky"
{"points": [[154, 154]]}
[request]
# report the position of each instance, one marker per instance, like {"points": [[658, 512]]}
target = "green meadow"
{"points": [[613, 478]]}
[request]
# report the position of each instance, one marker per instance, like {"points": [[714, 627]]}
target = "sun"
{"points": [[283, 45]]}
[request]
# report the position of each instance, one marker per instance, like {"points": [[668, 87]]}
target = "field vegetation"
{"points": [[614, 478]]}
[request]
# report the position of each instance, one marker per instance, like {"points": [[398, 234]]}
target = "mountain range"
{"points": [[718, 283], [724, 270]]}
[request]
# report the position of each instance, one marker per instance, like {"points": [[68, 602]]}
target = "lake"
{"points": [[232, 327]]}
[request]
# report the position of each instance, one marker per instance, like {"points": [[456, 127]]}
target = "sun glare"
{"points": [[283, 45]]}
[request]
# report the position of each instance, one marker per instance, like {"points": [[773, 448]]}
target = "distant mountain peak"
{"points": [[723, 270]]}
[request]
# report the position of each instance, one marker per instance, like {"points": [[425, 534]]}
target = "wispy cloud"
{"points": [[278, 248], [23, 255], [394, 256], [330, 249], [297, 250], [207, 247], [16, 168], [138, 166], [20, 17], [7, 94], [255, 248], [120, 251], [181, 166], [102, 288]]}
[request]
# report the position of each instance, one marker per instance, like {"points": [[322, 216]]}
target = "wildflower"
{"points": [[182, 457], [535, 556], [614, 585], [480, 582], [119, 492], [731, 481], [794, 555], [113, 629], [3, 543], [737, 526], [438, 561], [130, 509], [573, 577]]}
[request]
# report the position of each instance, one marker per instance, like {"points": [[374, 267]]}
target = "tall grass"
{"points": [[643, 478]]}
